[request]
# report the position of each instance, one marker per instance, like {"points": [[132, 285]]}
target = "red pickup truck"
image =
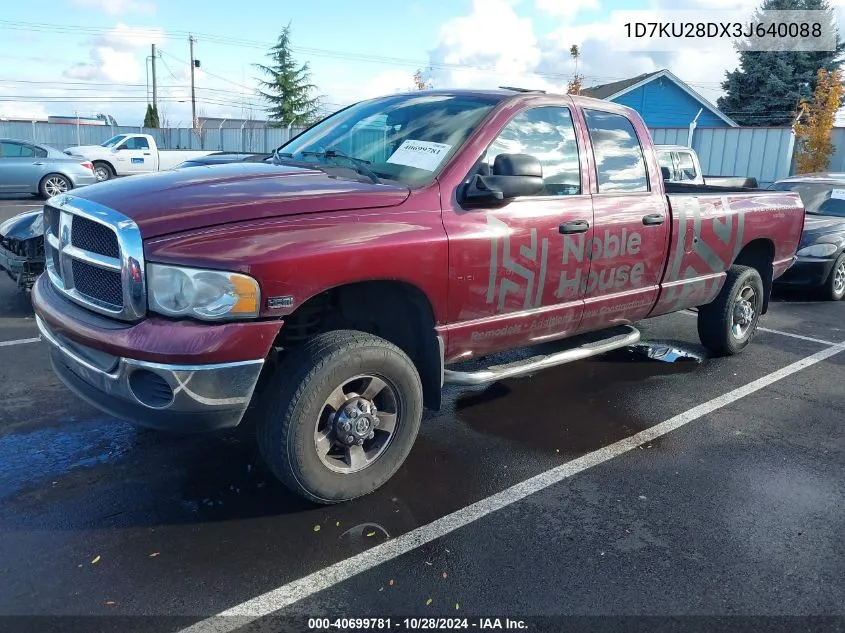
{"points": [[334, 290]]}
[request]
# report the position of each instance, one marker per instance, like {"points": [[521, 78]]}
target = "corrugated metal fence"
{"points": [[764, 153], [61, 135]]}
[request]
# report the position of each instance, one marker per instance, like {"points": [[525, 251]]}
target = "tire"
{"points": [[297, 411], [721, 327], [103, 171], [834, 287], [54, 185]]}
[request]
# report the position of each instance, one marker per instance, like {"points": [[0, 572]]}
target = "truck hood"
{"points": [[199, 197], [80, 150]]}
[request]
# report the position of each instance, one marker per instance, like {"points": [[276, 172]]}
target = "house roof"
{"points": [[618, 88], [605, 91]]}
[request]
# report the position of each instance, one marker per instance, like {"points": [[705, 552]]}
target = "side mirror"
{"points": [[514, 175], [666, 174]]}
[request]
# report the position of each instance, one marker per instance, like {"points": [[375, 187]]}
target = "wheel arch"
{"points": [[760, 255], [395, 310]]}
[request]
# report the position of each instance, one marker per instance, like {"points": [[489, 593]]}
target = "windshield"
{"points": [[406, 138], [114, 140], [819, 198]]}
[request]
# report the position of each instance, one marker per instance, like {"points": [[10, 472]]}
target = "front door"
{"points": [[514, 279], [632, 225], [134, 156]]}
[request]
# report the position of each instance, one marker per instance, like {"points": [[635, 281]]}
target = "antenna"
{"points": [[521, 89]]}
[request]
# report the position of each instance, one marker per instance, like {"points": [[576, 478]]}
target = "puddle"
{"points": [[52, 452], [657, 358]]}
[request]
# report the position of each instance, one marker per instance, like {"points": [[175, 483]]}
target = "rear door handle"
{"points": [[654, 219], [576, 226]]}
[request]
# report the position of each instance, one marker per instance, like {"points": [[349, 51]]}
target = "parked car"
{"points": [[27, 167], [821, 253], [679, 163], [129, 154], [335, 289]]}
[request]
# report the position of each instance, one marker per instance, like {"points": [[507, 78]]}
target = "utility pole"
{"points": [[155, 92], [193, 90]]}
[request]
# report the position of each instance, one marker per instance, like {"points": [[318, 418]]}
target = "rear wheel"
{"points": [[727, 325], [103, 171], [343, 417], [54, 185], [834, 287]]}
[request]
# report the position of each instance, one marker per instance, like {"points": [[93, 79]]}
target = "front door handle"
{"points": [[146, 153], [654, 219], [37, 163], [576, 226]]}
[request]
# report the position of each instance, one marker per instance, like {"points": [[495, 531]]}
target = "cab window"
{"points": [[620, 164], [548, 134], [686, 166]]}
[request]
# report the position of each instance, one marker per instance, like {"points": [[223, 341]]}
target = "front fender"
{"points": [[24, 226]]}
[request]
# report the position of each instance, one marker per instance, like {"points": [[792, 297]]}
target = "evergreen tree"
{"points": [[767, 86], [287, 87], [151, 117]]}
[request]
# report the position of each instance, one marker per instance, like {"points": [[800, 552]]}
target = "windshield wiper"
{"points": [[359, 164]]}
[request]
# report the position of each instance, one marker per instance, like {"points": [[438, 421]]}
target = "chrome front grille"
{"points": [[95, 257]]}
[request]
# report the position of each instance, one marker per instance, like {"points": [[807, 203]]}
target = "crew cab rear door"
{"points": [[631, 218], [511, 281]]}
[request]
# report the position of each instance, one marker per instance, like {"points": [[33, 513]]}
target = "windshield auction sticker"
{"points": [[420, 154]]}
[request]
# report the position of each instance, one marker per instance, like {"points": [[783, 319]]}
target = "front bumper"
{"points": [[180, 398], [23, 269], [807, 271]]}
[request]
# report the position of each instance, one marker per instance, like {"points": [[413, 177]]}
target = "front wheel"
{"points": [[834, 287], [341, 416], [727, 324], [103, 171]]}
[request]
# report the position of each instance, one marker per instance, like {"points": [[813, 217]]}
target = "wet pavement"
{"points": [[738, 513]]}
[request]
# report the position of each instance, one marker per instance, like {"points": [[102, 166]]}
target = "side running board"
{"points": [[628, 336]]}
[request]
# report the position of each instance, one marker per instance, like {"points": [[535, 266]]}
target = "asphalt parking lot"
{"points": [[617, 486]]}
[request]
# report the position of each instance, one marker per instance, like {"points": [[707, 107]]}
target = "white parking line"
{"points": [[20, 341], [781, 332], [277, 599]]}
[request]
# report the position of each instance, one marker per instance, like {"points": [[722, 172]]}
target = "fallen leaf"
{"points": [[154, 554], [96, 560], [109, 602], [391, 582], [337, 524], [381, 589], [557, 450], [445, 574], [428, 602], [457, 606], [642, 497], [448, 552], [371, 533], [80, 565], [316, 528], [427, 563]]}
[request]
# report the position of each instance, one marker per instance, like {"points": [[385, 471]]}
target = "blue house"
{"points": [[662, 100]]}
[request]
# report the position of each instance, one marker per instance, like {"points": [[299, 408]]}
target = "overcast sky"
{"points": [[65, 56]]}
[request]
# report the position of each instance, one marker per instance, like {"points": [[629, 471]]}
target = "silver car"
{"points": [[40, 169]]}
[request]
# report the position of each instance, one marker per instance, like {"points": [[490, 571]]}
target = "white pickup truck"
{"points": [[129, 154]]}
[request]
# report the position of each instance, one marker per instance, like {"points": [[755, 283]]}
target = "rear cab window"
{"points": [[619, 158]]}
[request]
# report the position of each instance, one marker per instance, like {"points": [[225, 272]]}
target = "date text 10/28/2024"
{"points": [[415, 624]]}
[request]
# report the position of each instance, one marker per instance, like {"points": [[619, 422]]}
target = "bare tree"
{"points": [[164, 124], [199, 130]]}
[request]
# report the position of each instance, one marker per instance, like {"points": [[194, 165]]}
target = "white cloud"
{"points": [[117, 56], [567, 9], [117, 7]]}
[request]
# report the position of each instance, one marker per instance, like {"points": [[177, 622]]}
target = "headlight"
{"points": [[206, 294], [818, 250]]}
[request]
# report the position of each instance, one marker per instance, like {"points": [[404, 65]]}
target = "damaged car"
{"points": [[22, 247]]}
